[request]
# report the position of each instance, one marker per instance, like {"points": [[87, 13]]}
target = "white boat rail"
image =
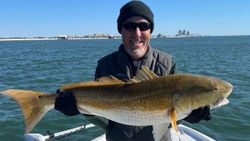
{"points": [[185, 133], [40, 137]]}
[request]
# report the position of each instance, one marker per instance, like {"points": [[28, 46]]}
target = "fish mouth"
{"points": [[220, 102], [224, 101], [230, 86]]}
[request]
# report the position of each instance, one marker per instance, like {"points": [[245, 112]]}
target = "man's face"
{"points": [[136, 36]]}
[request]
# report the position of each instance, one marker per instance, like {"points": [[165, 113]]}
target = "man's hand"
{"points": [[66, 103], [202, 113]]}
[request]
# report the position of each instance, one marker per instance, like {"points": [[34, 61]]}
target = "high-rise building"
{"points": [[179, 33], [183, 32]]}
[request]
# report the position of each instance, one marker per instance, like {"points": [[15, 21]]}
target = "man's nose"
{"points": [[137, 31]]}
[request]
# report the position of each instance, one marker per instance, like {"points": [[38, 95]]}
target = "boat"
{"points": [[185, 133]]}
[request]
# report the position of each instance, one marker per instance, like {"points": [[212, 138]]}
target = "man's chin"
{"points": [[136, 55]]}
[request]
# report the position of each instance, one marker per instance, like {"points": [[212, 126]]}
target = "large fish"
{"points": [[144, 100]]}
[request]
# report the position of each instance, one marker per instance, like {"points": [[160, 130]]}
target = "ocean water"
{"points": [[46, 65]]}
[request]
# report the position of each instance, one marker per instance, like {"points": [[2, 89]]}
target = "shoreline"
{"points": [[23, 39], [98, 38]]}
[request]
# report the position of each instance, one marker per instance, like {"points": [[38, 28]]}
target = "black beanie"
{"points": [[135, 8]]}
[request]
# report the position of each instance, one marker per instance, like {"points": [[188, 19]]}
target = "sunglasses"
{"points": [[131, 26]]}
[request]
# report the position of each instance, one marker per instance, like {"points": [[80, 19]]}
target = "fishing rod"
{"points": [[61, 134]]}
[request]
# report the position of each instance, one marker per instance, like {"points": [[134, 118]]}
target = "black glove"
{"points": [[202, 113], [66, 103]]}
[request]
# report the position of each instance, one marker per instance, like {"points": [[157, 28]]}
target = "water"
{"points": [[46, 65]]}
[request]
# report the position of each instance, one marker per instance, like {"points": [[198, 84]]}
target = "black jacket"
{"points": [[121, 66]]}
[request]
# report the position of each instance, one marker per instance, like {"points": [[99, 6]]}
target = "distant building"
{"points": [[183, 32], [179, 33], [161, 36], [62, 37]]}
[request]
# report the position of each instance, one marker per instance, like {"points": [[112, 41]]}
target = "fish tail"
{"points": [[32, 105]]}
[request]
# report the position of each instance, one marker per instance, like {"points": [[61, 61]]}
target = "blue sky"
{"points": [[83, 17]]}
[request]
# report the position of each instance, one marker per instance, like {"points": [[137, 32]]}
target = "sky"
{"points": [[32, 18]]}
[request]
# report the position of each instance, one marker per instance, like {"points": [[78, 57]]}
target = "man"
{"points": [[135, 23]]}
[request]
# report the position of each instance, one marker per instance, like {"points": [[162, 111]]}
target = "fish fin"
{"points": [[31, 105], [106, 80], [143, 74], [110, 80], [173, 119], [83, 111], [159, 131]]}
